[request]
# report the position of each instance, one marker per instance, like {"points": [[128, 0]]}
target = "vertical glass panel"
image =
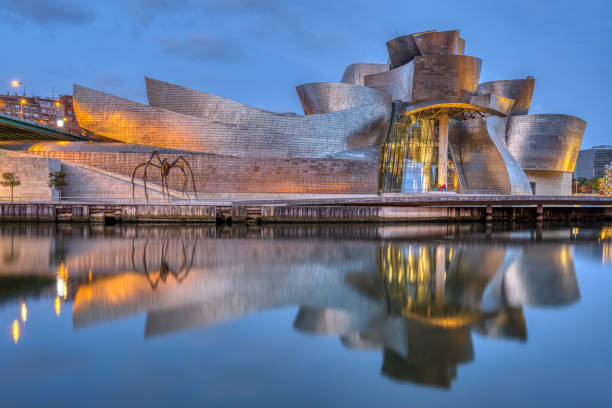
{"points": [[409, 156]]}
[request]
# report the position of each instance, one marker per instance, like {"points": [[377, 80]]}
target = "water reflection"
{"points": [[416, 293]]}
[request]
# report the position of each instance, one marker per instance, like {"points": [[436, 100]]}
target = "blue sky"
{"points": [[257, 51]]}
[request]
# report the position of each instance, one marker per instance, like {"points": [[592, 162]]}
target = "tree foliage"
{"points": [[57, 179], [11, 180]]}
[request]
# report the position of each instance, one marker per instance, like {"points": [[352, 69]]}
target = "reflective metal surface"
{"points": [[223, 128], [402, 50], [521, 90], [355, 73], [438, 42], [405, 48], [545, 141], [433, 77], [325, 97]]}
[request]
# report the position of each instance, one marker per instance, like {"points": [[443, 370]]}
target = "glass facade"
{"points": [[409, 156]]}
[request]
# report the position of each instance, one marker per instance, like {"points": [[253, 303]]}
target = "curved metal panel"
{"points": [[461, 46], [521, 90], [397, 82], [355, 73], [254, 133], [433, 77], [402, 50], [482, 159], [438, 42], [545, 141], [445, 77], [325, 97], [203, 105]]}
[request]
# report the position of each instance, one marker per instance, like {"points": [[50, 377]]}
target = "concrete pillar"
{"points": [[489, 213], [442, 149]]}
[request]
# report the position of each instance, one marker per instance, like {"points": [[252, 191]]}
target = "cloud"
{"points": [[50, 12], [145, 11], [202, 47]]}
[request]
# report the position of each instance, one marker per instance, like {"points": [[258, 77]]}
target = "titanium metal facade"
{"points": [[325, 97], [546, 147], [355, 73], [521, 90], [254, 133], [485, 128]]}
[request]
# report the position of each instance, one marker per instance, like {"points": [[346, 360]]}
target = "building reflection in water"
{"points": [[417, 300], [605, 238]]}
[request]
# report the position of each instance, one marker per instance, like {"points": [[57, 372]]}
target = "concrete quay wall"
{"points": [[110, 214]]}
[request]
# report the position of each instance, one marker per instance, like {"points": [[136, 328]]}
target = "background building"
{"points": [[50, 112], [592, 162]]}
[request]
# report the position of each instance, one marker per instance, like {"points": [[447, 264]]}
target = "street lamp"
{"points": [[15, 83], [21, 103]]}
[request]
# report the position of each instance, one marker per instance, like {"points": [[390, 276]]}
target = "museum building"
{"points": [[420, 122]]}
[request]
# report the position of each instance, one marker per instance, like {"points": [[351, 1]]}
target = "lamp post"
{"points": [[15, 83], [22, 102]]}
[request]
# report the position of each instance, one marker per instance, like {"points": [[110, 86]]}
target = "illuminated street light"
{"points": [[15, 83], [21, 103]]}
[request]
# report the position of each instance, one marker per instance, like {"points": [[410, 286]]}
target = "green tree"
{"points": [[57, 179], [10, 180]]}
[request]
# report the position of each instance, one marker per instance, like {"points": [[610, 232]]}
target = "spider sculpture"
{"points": [[164, 167], [164, 268]]}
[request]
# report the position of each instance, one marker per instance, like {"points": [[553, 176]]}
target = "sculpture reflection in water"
{"points": [[165, 269], [417, 303]]}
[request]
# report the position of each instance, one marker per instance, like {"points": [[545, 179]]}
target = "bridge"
{"points": [[18, 129]]}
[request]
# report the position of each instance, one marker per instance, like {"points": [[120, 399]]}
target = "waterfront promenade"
{"points": [[316, 208]]}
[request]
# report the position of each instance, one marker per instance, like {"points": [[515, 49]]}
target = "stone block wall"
{"points": [[551, 183], [222, 174], [33, 172], [91, 184]]}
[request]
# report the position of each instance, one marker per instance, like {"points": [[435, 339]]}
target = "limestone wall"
{"points": [[33, 172], [223, 174], [551, 183], [85, 182]]}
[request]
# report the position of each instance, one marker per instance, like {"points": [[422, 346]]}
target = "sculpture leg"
{"points": [[133, 176]]}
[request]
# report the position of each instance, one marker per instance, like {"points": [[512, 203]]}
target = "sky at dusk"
{"points": [[257, 51]]}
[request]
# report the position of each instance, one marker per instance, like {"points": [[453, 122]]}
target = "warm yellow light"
{"points": [[57, 104], [16, 331], [62, 287], [58, 306], [23, 101], [63, 271], [24, 312], [15, 83]]}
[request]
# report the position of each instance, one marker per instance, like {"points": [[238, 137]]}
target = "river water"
{"points": [[427, 315]]}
